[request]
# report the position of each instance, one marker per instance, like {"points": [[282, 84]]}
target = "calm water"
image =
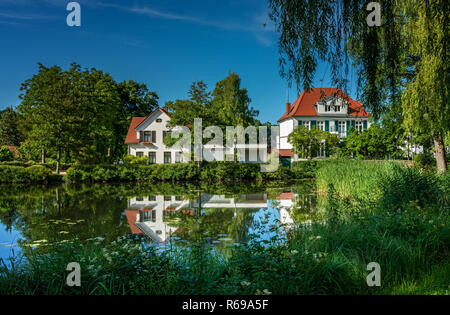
{"points": [[160, 214]]}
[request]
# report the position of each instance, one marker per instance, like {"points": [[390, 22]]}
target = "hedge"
{"points": [[18, 174], [208, 171]]}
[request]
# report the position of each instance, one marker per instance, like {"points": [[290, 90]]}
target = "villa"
{"points": [[145, 138], [328, 109]]}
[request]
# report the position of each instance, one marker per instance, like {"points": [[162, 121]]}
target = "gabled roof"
{"points": [[136, 122], [304, 105], [131, 135]]}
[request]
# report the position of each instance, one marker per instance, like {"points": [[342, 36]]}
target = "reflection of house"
{"points": [[285, 206], [145, 215]]}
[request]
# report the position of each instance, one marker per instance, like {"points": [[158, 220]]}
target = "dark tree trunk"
{"points": [[58, 159], [439, 149]]}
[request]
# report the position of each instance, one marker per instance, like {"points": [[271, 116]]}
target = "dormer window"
{"points": [[337, 108], [159, 120], [327, 108]]}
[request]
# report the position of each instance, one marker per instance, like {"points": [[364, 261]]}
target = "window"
{"points": [[321, 125], [359, 126], [139, 199], [139, 154], [152, 157], [307, 124], [151, 198], [153, 215], [337, 108], [342, 127], [167, 198], [177, 157], [159, 120], [179, 198], [147, 136], [167, 157], [327, 108]]}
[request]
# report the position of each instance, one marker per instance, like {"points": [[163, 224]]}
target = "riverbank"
{"points": [[400, 220]]}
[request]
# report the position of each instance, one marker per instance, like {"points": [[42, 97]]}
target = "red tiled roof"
{"points": [[304, 105], [132, 135], [135, 122], [285, 153], [131, 217]]}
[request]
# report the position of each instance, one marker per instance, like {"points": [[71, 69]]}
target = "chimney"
{"points": [[288, 107]]}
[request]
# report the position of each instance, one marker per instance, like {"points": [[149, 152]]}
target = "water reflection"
{"points": [[222, 214]]}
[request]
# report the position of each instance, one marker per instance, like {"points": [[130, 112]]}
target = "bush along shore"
{"points": [[206, 171], [403, 224], [29, 174]]}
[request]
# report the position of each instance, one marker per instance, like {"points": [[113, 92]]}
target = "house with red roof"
{"points": [[145, 138], [329, 109]]}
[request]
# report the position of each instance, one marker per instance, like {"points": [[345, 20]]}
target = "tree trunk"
{"points": [[439, 149], [43, 156], [58, 158]]}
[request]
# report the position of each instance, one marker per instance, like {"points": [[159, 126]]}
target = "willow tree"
{"points": [[404, 59]]}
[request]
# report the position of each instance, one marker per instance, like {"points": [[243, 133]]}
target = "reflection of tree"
{"points": [[212, 222], [58, 216]]}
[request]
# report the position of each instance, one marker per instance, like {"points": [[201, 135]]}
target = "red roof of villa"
{"points": [[135, 122], [131, 217], [304, 105]]}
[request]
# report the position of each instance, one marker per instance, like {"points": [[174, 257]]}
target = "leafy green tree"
{"points": [[72, 111], [5, 154], [405, 59], [136, 100], [9, 128], [307, 143]]}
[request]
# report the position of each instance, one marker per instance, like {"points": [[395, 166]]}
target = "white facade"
{"points": [[152, 145], [150, 135], [332, 116]]}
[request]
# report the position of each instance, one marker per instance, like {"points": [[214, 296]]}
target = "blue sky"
{"points": [[166, 44]]}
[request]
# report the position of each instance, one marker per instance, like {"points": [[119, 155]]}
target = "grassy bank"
{"points": [[404, 226]]}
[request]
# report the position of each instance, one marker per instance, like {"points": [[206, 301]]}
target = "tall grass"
{"points": [[353, 177]]}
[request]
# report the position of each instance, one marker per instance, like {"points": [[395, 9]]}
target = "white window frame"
{"points": [[321, 125], [342, 130], [359, 126], [307, 124]]}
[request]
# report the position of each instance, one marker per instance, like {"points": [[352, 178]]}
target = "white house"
{"points": [[328, 109], [145, 139]]}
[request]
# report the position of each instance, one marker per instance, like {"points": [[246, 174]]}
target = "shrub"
{"points": [[424, 160], [5, 154], [17, 174]]}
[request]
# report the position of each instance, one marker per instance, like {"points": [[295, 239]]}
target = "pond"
{"points": [[222, 214]]}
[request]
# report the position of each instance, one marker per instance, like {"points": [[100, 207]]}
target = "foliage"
{"points": [[372, 143], [424, 160], [402, 61], [307, 143], [17, 174], [10, 133], [6, 154]]}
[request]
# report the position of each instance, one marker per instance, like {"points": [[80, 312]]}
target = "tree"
{"points": [[227, 105], [5, 154], [135, 101], [72, 111], [308, 143], [405, 59], [9, 128]]}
